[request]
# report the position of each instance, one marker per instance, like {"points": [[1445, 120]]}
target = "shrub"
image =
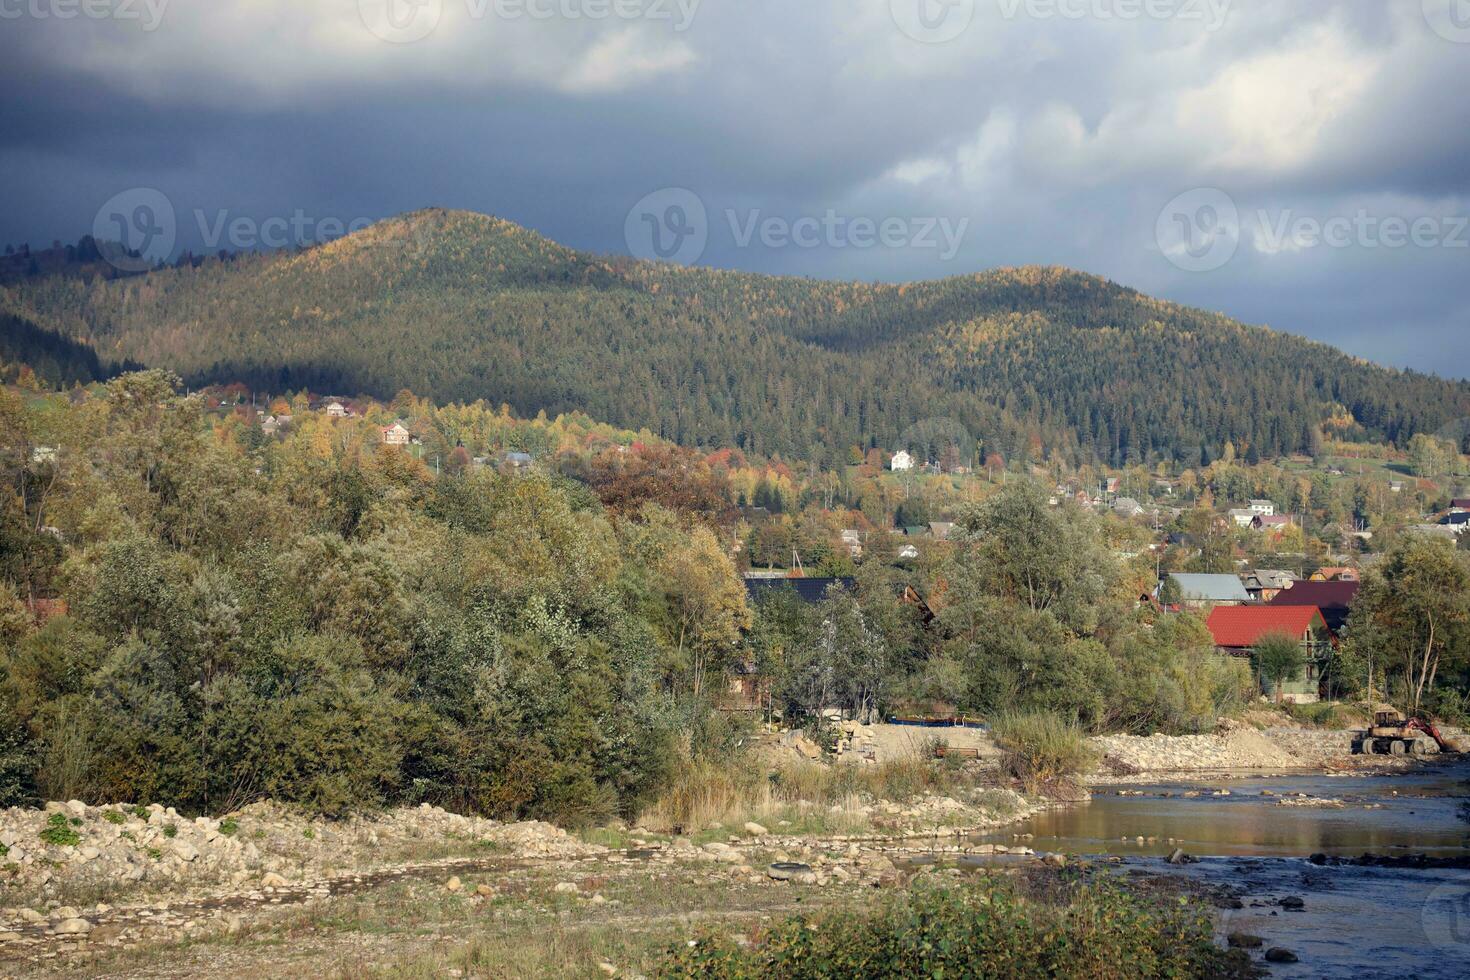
{"points": [[59, 832], [1040, 747], [1098, 932], [170, 831], [229, 826], [1278, 658], [114, 817]]}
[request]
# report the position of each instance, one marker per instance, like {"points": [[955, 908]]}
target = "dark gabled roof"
{"points": [[1333, 598], [811, 590], [1323, 595], [1456, 519]]}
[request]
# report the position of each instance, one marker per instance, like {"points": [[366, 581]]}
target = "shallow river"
{"points": [[1355, 921]]}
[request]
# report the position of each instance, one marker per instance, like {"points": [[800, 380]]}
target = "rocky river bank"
{"points": [[1235, 747], [78, 880]]}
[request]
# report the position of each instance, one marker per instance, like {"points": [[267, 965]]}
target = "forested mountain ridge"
{"points": [[461, 306]]}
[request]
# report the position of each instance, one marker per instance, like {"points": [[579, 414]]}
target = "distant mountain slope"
{"points": [[462, 306], [57, 360]]}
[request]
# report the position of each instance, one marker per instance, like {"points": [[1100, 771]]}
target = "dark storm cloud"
{"points": [[1054, 134]]}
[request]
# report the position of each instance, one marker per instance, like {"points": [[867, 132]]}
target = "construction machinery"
{"points": [[1393, 734]]}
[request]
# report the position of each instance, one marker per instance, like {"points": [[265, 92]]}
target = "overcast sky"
{"points": [[1304, 165]]}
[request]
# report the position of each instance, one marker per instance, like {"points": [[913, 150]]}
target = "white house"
{"points": [[901, 461], [395, 435], [1262, 508], [1242, 517], [336, 410]]}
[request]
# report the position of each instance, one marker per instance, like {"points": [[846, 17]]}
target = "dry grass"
{"points": [[731, 793], [1041, 748]]}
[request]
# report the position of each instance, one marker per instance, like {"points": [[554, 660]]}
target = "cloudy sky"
{"points": [[1304, 165]]}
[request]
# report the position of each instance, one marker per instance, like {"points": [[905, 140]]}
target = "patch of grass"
{"points": [[1327, 714], [1040, 747], [141, 812], [982, 929], [114, 817], [155, 853], [59, 832], [229, 826], [730, 792], [170, 831], [613, 838], [309, 833]]}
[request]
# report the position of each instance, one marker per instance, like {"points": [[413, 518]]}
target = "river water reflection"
{"points": [[1355, 921]]}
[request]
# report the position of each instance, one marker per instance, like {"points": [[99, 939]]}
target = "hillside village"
{"points": [[1197, 541]]}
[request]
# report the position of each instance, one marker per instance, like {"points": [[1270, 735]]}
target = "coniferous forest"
{"points": [[460, 306]]}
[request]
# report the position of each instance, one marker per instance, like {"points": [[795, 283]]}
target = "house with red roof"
{"points": [[1237, 630]]}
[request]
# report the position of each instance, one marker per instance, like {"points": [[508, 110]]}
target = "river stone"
{"points": [[73, 927], [566, 888], [272, 880], [1244, 940], [1277, 954], [1179, 857], [752, 827], [453, 884], [787, 870], [1293, 902]]}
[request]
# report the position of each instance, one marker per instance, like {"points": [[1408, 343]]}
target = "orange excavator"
{"points": [[1393, 734]]}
